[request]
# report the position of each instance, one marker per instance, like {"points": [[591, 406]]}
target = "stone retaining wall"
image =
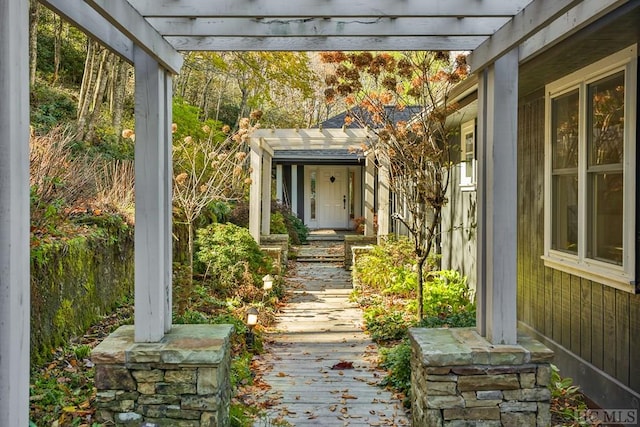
{"points": [[459, 379], [182, 381], [277, 240], [355, 240]]}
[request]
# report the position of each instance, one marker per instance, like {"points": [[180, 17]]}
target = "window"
{"points": [[590, 171], [468, 155], [314, 180]]}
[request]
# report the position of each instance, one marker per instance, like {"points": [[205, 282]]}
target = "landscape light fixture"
{"points": [[267, 282], [252, 320]]}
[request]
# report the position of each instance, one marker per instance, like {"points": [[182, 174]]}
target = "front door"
{"points": [[332, 198]]}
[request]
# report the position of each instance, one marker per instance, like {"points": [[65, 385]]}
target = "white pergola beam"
{"points": [[255, 189], [127, 20], [83, 16], [497, 200], [345, 27], [15, 290], [532, 18], [152, 230], [322, 43], [327, 8], [566, 25]]}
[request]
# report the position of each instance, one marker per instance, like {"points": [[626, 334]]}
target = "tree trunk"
{"points": [[119, 93], [34, 17], [106, 59], [57, 46], [86, 88]]}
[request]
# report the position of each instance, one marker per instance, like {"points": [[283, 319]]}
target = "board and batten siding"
{"points": [[595, 322]]}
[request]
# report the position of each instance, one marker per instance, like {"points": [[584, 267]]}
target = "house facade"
{"points": [[577, 250]]}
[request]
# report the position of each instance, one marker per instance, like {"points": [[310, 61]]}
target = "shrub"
{"points": [[385, 324], [277, 224], [446, 294], [397, 361], [293, 226], [228, 255], [388, 265]]}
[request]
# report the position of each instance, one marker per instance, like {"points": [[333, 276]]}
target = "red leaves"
{"points": [[342, 365]]}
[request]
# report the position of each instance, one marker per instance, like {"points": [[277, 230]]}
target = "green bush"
{"points": [[50, 107], [397, 361], [386, 325], [388, 266], [228, 255], [277, 224], [293, 226], [446, 294]]}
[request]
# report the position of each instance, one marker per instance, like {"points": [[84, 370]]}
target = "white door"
{"points": [[332, 198]]}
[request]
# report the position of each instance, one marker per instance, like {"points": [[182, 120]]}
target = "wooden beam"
{"points": [[127, 20], [345, 27], [327, 8], [151, 192], [15, 310], [167, 144], [255, 189], [497, 200], [321, 43], [532, 18], [566, 25], [266, 193], [83, 16]]}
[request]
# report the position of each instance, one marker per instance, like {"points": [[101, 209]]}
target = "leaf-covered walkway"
{"points": [[319, 364]]}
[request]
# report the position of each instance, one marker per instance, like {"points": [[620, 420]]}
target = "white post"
{"points": [[266, 193], [255, 190], [383, 201], [168, 191], [497, 200], [294, 189], [151, 194], [279, 190], [14, 213], [369, 196]]}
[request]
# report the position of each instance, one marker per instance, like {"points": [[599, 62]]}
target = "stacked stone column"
{"points": [[182, 381], [459, 379]]}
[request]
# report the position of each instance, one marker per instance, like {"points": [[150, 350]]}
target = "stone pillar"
{"points": [[352, 241], [459, 378], [14, 213], [181, 381]]}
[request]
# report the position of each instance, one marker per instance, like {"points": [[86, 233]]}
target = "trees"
{"points": [[412, 151], [208, 167]]}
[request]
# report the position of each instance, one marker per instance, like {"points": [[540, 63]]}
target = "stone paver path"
{"points": [[320, 364]]}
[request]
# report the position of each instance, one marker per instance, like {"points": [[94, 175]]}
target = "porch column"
{"points": [[14, 213], [383, 200], [279, 192], [497, 200], [294, 189], [266, 193], [255, 190], [153, 202], [369, 198]]}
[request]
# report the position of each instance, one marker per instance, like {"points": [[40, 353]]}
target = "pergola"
{"points": [[149, 33]]}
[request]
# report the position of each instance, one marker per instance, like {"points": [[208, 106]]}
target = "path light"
{"points": [[267, 282], [252, 320]]}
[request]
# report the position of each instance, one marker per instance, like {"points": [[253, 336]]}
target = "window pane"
{"points": [[564, 130], [606, 120], [312, 214], [606, 217], [565, 213], [468, 154]]}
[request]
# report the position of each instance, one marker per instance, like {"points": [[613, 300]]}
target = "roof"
{"points": [[338, 121], [333, 156]]}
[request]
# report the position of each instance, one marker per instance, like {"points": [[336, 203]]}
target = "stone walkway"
{"points": [[320, 364]]}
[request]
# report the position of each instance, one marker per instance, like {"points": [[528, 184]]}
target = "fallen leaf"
{"points": [[342, 365]]}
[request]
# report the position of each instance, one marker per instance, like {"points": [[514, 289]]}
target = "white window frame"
{"points": [[467, 183], [619, 277]]}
